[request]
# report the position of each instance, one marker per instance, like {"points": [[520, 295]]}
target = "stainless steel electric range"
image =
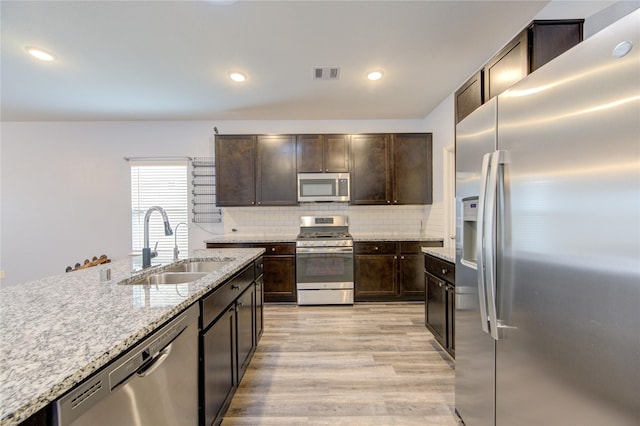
{"points": [[324, 261]]}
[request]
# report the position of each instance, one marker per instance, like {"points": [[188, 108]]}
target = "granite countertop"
{"points": [[357, 236], [444, 253], [57, 331]]}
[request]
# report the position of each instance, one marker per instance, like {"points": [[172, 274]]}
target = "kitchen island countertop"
{"points": [[55, 332]]}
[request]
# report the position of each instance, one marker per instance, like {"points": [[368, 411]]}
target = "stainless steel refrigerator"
{"points": [[548, 243]]}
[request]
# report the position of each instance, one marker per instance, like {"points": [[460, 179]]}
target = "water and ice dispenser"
{"points": [[469, 230]]}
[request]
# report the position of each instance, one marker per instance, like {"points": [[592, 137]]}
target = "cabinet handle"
{"points": [[376, 248], [395, 257], [326, 170], [402, 257], [440, 284], [235, 287], [395, 201], [253, 203], [259, 202], [273, 249], [388, 201], [445, 271]]}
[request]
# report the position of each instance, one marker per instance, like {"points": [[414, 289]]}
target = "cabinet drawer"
{"points": [[375, 247], [218, 301], [440, 268], [279, 248]]}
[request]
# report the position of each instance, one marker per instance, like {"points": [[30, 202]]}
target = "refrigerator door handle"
{"points": [[490, 232], [480, 243]]}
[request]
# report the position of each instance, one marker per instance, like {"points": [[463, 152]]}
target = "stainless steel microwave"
{"points": [[323, 187]]}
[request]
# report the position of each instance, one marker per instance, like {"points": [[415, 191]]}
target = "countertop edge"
{"points": [[444, 253]]}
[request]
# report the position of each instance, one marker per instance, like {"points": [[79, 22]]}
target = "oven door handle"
{"points": [[324, 250]]}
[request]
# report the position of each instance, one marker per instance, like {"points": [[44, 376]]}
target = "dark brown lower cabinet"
{"points": [[440, 301], [280, 278], [279, 269], [245, 322], [387, 271], [376, 273], [259, 319], [218, 366], [228, 338]]}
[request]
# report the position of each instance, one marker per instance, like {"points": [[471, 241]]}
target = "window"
{"points": [[164, 184]]}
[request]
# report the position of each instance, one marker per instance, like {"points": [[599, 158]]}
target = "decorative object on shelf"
{"points": [[89, 263], [203, 191]]}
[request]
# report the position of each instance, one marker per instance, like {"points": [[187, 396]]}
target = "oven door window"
{"points": [[316, 267]]}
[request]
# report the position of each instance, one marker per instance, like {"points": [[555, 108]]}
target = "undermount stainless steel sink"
{"points": [[207, 266], [168, 278]]}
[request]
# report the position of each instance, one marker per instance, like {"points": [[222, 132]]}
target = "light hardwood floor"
{"points": [[367, 364]]}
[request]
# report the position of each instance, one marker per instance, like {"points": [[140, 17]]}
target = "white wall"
{"points": [[65, 192]]}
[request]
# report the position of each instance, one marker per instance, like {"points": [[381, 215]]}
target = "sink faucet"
{"points": [[147, 254], [176, 252]]}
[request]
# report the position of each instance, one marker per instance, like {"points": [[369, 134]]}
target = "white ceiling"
{"points": [[169, 60]]}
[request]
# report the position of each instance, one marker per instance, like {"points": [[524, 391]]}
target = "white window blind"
{"points": [[163, 184]]}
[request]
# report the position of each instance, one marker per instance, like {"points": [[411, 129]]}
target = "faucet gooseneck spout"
{"points": [[147, 254], [176, 252]]}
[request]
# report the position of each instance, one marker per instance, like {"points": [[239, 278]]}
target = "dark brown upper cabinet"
{"points": [[235, 170], [509, 66], [468, 97], [370, 169], [256, 170], [276, 171], [548, 39], [538, 44], [391, 169], [323, 153], [412, 168]]}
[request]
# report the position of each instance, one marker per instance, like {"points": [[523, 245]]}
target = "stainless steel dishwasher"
{"points": [[154, 383]]}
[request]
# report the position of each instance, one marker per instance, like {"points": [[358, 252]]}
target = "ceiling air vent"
{"points": [[326, 73]]}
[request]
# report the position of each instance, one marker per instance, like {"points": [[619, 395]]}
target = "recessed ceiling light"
{"points": [[36, 52], [374, 75], [237, 76]]}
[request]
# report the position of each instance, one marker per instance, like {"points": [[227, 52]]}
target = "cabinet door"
{"points": [[468, 97], [276, 171], [412, 276], [412, 166], [451, 323], [259, 309], [218, 366], [245, 325], [509, 66], [549, 39], [436, 309], [336, 153], [370, 169], [235, 176], [375, 277], [310, 153], [279, 278]]}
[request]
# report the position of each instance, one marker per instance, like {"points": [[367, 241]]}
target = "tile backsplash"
{"points": [[427, 220]]}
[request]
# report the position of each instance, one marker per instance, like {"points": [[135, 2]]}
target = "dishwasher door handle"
{"points": [[155, 362]]}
